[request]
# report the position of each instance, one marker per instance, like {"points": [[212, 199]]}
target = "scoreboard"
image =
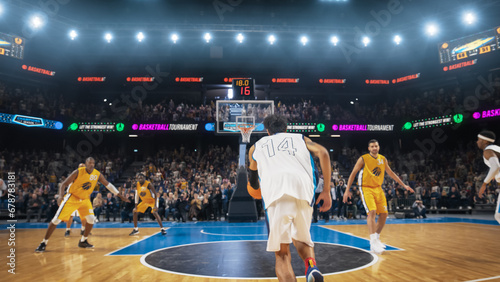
{"points": [[11, 46], [243, 88], [470, 46]]}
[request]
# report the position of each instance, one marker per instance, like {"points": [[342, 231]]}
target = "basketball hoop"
{"points": [[246, 131]]}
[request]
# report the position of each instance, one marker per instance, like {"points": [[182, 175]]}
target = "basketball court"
{"points": [[433, 249]]}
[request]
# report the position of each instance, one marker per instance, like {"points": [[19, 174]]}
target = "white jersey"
{"points": [[285, 167], [496, 149]]}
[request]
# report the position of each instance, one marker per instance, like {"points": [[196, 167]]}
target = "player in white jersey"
{"points": [[285, 166], [491, 154]]}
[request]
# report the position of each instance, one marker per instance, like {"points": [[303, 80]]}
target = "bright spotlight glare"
{"points": [[140, 36], [1, 9], [397, 39], [240, 38], [334, 40], [366, 40], [207, 37], [73, 34], [36, 22], [230, 93], [271, 39], [108, 37], [431, 29], [469, 18], [304, 40], [175, 37]]}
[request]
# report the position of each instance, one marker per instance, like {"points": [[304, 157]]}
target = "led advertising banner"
{"points": [[305, 127], [363, 127], [38, 70], [486, 114], [433, 122], [165, 127], [470, 46], [29, 121], [11, 46], [97, 127]]}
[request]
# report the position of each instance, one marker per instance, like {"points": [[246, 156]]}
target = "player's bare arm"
{"points": [[396, 178], [253, 176], [157, 196], [65, 184], [324, 161], [112, 188], [360, 163], [495, 166]]}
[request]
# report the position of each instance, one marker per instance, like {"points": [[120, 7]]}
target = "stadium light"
{"points": [[304, 40], [1, 8], [334, 40], [431, 29], [140, 36], [230, 93], [240, 38], [366, 41], [36, 22], [397, 39], [271, 39], [207, 37], [73, 34], [469, 18], [108, 37], [174, 37]]}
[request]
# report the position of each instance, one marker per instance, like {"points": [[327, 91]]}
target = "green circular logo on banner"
{"points": [[458, 118], [73, 126], [407, 126], [120, 127], [320, 127]]}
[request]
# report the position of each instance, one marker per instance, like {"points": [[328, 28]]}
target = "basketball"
{"points": [[255, 193]]}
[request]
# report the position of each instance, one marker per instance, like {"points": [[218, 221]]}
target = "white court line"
{"points": [[207, 233], [131, 245], [361, 238], [484, 279], [143, 261]]}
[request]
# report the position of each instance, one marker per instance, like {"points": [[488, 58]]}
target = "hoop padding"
{"points": [[246, 132]]}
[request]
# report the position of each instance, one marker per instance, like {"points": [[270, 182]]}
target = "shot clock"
{"points": [[243, 89]]}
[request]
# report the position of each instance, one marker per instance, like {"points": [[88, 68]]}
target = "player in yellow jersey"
{"points": [[149, 199], [83, 180], [373, 167], [75, 213]]}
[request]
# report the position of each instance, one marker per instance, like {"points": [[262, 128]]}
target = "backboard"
{"points": [[231, 112]]}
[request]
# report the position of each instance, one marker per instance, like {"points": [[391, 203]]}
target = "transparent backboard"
{"points": [[231, 112]]}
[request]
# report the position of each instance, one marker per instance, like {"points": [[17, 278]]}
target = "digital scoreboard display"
{"points": [[243, 88], [470, 46], [11, 46]]}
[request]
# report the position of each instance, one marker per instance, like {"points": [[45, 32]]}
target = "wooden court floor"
{"points": [[431, 252]]}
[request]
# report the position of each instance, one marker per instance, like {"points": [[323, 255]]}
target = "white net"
{"points": [[246, 132]]}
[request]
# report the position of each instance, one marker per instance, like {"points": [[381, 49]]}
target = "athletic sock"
{"points": [[310, 262], [378, 236], [68, 229], [45, 241], [373, 237], [83, 239], [136, 228]]}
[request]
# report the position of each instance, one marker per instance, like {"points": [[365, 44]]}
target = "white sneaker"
{"points": [[381, 244], [376, 248]]}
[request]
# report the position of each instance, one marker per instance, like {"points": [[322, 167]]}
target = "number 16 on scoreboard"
{"points": [[243, 89]]}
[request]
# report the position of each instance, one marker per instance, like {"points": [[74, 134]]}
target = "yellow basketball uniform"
{"points": [[370, 182], [146, 195], [78, 196]]}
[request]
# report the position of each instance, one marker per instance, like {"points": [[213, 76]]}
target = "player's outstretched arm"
{"points": [[65, 184], [494, 168], [357, 167], [112, 188], [324, 161], [396, 178]]}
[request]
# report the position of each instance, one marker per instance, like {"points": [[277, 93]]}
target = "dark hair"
{"points": [[372, 141], [489, 134], [275, 124], [141, 174]]}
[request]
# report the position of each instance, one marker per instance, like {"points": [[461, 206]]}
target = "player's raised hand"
{"points": [[481, 191], [123, 198], [409, 188]]}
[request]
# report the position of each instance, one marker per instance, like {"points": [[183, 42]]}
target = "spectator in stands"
{"points": [[182, 207], [454, 198], [34, 206], [110, 205], [419, 209], [340, 190], [170, 206], [98, 204], [127, 209]]}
